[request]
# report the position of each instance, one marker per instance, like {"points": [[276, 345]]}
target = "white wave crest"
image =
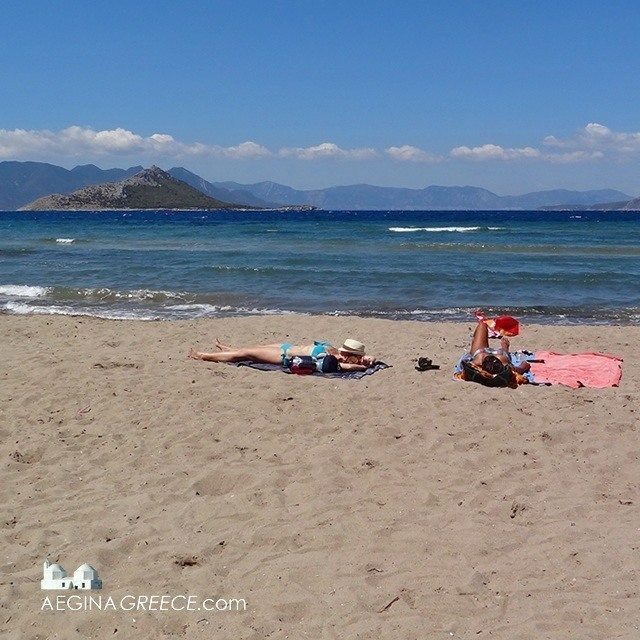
{"points": [[203, 309], [23, 291], [65, 240], [22, 308], [442, 229], [167, 312], [133, 294]]}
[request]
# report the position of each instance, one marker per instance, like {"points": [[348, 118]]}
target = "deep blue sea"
{"points": [[555, 267]]}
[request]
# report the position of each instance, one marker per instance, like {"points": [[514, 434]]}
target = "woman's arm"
{"points": [[350, 366]]}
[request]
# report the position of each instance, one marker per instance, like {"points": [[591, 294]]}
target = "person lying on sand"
{"points": [[492, 361], [350, 356]]}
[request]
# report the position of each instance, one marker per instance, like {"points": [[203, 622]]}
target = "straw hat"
{"points": [[352, 346]]}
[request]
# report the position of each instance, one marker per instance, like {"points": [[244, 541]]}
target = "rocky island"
{"points": [[150, 188]]}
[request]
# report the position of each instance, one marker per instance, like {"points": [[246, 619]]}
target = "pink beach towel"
{"points": [[575, 370]]}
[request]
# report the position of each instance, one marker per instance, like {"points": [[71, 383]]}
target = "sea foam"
{"points": [[22, 291], [442, 229], [22, 308]]}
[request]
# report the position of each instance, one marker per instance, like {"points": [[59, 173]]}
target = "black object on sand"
{"points": [[426, 364]]}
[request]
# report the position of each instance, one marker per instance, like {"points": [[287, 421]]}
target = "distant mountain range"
{"points": [[148, 189], [239, 195], [23, 182], [368, 197], [625, 205]]}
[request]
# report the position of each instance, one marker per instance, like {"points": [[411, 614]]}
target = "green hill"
{"points": [[148, 189]]}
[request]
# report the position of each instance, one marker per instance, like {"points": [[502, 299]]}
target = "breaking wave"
{"points": [[443, 229], [128, 312], [23, 291]]}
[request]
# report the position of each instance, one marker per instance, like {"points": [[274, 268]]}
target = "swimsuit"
{"points": [[469, 357], [319, 346], [490, 352], [319, 349], [284, 347]]}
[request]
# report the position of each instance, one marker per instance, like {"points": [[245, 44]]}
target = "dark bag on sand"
{"points": [[308, 365], [302, 365]]}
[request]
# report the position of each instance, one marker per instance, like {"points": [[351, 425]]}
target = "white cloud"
{"points": [[494, 152], [408, 153], [113, 141], [573, 156], [86, 142], [599, 138], [593, 142], [327, 150], [245, 150]]}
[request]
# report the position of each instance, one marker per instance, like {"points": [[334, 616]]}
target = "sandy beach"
{"points": [[404, 505]]}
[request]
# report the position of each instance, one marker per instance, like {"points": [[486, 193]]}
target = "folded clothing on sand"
{"points": [[349, 375], [597, 370]]}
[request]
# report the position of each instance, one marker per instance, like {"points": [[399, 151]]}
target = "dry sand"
{"points": [[404, 505]]}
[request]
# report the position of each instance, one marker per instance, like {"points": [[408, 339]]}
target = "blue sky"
{"points": [[512, 96]]}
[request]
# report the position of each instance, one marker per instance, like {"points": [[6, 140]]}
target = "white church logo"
{"points": [[55, 577]]}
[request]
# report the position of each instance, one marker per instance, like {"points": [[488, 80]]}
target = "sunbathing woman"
{"points": [[350, 355], [492, 360]]}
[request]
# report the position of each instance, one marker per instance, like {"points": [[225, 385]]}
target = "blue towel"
{"points": [[347, 375]]}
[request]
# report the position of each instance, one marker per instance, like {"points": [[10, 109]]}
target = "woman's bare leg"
{"points": [[267, 354], [480, 338], [226, 347]]}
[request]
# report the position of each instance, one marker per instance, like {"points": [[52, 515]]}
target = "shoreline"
{"points": [[233, 209], [342, 321], [313, 209], [421, 317]]}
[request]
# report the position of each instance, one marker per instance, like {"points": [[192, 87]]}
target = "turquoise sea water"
{"points": [[546, 266]]}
